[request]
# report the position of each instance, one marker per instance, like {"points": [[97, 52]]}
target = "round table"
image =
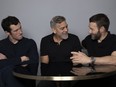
{"points": [[76, 73]]}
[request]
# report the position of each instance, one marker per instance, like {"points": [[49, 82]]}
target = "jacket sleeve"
{"points": [[33, 58], [9, 62]]}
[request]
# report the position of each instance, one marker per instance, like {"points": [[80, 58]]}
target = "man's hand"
{"points": [[24, 58], [80, 57], [2, 56]]}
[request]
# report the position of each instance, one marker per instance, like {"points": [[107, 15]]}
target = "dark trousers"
{"points": [[7, 78], [27, 82], [56, 84]]}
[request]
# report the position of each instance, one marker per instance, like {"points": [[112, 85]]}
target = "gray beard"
{"points": [[64, 36]]}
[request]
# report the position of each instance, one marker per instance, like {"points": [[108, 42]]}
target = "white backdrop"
{"points": [[35, 15]]}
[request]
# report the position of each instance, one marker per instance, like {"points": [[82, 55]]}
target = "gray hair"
{"points": [[55, 20]]}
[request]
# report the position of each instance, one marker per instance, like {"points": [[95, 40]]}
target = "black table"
{"points": [[67, 72]]}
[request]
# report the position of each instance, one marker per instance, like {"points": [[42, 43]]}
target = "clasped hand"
{"points": [[80, 58], [24, 58]]}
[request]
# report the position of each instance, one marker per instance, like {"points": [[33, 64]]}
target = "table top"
{"points": [[68, 72]]}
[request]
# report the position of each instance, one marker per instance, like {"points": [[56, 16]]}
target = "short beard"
{"points": [[64, 36], [96, 36]]}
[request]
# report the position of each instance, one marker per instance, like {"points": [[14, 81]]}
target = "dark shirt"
{"points": [[105, 48], [25, 47], [59, 52], [96, 49]]}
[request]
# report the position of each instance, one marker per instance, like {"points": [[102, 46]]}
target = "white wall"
{"points": [[35, 15]]}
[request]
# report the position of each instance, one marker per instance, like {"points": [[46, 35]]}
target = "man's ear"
{"points": [[53, 30], [7, 33], [102, 29]]}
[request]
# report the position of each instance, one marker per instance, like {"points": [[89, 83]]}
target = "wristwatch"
{"points": [[93, 59]]}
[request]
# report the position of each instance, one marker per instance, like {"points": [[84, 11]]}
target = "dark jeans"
{"points": [[7, 78]]}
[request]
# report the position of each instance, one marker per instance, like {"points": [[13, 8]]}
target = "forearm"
{"points": [[108, 60], [44, 59]]}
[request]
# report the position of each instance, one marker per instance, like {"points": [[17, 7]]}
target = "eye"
{"points": [[62, 28], [67, 26]]}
